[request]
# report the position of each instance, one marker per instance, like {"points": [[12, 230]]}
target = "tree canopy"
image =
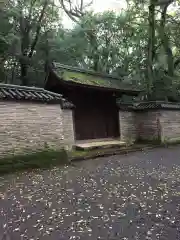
{"points": [[140, 41]]}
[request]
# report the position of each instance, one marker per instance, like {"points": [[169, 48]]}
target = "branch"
{"points": [[38, 29], [74, 12], [163, 16], [163, 2], [31, 7]]}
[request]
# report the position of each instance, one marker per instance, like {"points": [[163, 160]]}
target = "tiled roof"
{"points": [[15, 92], [149, 105], [90, 78], [157, 105]]}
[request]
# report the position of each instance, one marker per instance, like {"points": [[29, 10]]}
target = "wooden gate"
{"points": [[96, 119]]}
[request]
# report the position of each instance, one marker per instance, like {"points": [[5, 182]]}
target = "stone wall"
{"points": [[170, 125], [148, 125], [127, 125], [31, 126], [160, 124], [68, 128]]}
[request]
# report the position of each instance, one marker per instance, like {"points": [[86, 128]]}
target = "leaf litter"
{"points": [[130, 197]]}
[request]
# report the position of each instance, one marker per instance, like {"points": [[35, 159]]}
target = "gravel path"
{"points": [[136, 196]]}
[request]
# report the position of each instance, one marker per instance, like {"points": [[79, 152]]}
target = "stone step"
{"points": [[96, 153], [86, 146]]}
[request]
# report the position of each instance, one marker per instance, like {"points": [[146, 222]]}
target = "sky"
{"points": [[103, 5], [99, 6]]}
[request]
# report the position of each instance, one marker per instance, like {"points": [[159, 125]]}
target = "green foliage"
{"points": [[108, 42], [28, 21]]}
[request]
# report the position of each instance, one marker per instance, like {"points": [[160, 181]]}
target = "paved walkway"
{"points": [[121, 197]]}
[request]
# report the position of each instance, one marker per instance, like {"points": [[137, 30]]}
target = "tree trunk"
{"points": [[13, 73], [27, 49], [24, 71], [96, 61], [23, 59], [170, 61], [95, 56], [151, 45], [165, 42], [38, 29]]}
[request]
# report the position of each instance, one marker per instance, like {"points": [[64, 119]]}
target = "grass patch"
{"points": [[88, 153], [42, 159], [77, 153], [154, 141], [171, 142], [163, 142]]}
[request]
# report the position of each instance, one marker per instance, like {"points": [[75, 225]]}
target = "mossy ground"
{"points": [[41, 159], [49, 158]]}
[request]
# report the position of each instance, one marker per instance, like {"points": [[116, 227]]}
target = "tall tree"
{"points": [[151, 45], [25, 20], [30, 19]]}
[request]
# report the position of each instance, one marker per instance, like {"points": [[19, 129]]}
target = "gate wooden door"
{"points": [[96, 120]]}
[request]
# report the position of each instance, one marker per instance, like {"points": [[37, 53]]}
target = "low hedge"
{"points": [[41, 159]]}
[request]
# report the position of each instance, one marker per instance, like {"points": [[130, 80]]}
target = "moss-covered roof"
{"points": [[91, 78]]}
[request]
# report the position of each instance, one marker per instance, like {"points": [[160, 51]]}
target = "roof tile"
{"points": [[15, 92]]}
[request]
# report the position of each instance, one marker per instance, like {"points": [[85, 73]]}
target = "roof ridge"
{"points": [[30, 88]]}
